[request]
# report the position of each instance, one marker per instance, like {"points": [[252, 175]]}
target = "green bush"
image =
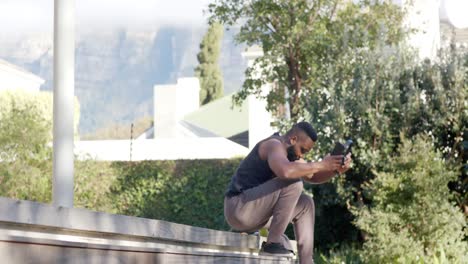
{"points": [[372, 97], [25, 125], [26, 153], [184, 191], [40, 103], [344, 254], [25, 130], [411, 219]]}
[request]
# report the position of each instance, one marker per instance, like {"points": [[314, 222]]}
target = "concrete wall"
{"points": [[172, 103], [159, 149], [40, 233]]}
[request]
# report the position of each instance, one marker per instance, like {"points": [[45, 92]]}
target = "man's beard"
{"points": [[292, 154]]}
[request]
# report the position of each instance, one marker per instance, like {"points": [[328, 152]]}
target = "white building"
{"points": [[437, 22], [185, 130], [172, 137], [13, 77], [177, 113]]}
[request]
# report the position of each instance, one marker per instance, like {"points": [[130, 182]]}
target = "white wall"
{"points": [[159, 149], [454, 12], [188, 96], [259, 118], [172, 103], [423, 15], [164, 110]]}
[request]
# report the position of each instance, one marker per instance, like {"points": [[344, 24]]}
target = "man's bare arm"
{"points": [[320, 177], [324, 176], [283, 168]]}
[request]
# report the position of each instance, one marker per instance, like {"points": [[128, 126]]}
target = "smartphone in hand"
{"points": [[339, 149], [342, 149]]}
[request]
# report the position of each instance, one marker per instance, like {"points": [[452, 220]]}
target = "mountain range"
{"points": [[115, 70]]}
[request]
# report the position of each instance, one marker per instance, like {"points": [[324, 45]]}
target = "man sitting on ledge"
{"points": [[266, 190]]}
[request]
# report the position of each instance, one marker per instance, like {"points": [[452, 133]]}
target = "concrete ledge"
{"points": [[46, 254], [34, 217], [32, 232]]}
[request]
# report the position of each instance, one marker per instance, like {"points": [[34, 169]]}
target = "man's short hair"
{"points": [[308, 129]]}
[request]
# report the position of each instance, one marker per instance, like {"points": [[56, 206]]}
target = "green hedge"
{"points": [[92, 183], [184, 191]]}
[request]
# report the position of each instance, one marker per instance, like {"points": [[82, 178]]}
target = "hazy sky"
{"points": [[37, 15]]}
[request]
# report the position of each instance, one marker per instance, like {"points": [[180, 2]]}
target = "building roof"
{"points": [[220, 118], [5, 65]]}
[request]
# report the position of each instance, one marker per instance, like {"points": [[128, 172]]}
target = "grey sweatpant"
{"points": [[274, 204]]}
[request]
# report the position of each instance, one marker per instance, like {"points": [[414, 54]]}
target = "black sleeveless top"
{"points": [[252, 171]]}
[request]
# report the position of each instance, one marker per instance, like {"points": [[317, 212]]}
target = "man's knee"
{"points": [[307, 203], [295, 186], [310, 203]]}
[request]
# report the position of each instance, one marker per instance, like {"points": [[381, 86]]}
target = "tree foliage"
{"points": [[300, 39], [381, 95], [25, 130], [25, 125], [26, 154], [23, 138], [208, 71], [373, 97], [344, 66]]}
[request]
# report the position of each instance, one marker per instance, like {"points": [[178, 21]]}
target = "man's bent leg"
{"points": [[283, 211], [303, 221], [253, 208]]}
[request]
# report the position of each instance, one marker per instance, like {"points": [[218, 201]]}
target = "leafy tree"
{"points": [[344, 66], [411, 220], [300, 38], [24, 134], [208, 71], [25, 127], [305, 44], [26, 154]]}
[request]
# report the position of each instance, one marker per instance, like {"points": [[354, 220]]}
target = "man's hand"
{"points": [[331, 163], [346, 165], [300, 161]]}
